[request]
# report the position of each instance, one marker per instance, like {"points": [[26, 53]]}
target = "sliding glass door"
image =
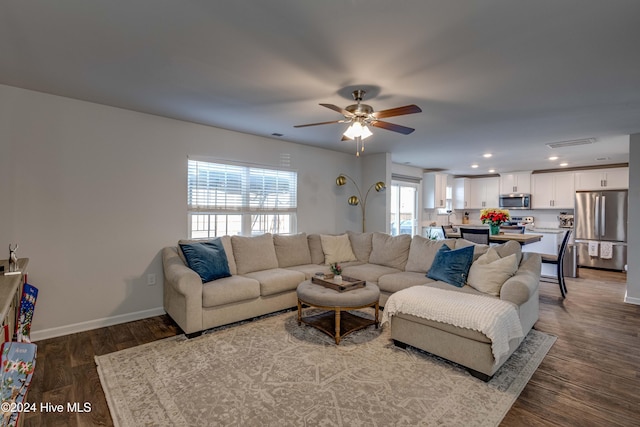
{"points": [[404, 208]]}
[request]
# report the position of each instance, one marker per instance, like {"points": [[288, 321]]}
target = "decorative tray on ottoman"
{"points": [[346, 284]]}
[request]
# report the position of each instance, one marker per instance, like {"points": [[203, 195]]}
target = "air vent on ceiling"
{"points": [[573, 142]]}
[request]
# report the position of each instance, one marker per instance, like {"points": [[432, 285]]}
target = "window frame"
{"points": [[248, 183]]}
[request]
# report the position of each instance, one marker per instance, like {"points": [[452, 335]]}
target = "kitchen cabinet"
{"points": [[553, 190], [516, 182], [461, 193], [485, 193], [601, 179], [434, 187]]}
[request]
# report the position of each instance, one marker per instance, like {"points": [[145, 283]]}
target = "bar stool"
{"points": [[558, 260], [475, 235]]}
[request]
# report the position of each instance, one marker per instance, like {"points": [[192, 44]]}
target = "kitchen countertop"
{"points": [[547, 230]]}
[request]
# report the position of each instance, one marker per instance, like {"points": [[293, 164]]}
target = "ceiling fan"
{"points": [[362, 115]]}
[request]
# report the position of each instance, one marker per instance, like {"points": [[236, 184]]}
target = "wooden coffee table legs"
{"points": [[337, 322]]}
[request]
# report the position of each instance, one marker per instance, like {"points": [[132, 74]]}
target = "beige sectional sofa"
{"points": [[266, 270]]}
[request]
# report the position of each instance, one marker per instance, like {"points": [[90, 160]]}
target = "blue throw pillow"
{"points": [[451, 266], [208, 259]]}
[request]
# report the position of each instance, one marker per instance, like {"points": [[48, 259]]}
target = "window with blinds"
{"points": [[240, 199]]}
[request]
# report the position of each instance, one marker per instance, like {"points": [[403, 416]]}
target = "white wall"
{"points": [[633, 237], [377, 167], [92, 193]]}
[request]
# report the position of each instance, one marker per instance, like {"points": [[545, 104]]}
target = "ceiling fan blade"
{"points": [[321, 123], [392, 127], [399, 111], [338, 109]]}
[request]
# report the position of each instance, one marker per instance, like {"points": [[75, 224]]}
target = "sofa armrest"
{"points": [[182, 291], [183, 279], [520, 287]]}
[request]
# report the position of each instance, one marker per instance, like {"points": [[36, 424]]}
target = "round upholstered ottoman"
{"points": [[337, 321]]}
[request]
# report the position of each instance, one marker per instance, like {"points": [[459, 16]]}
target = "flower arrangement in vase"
{"points": [[494, 217], [336, 269]]}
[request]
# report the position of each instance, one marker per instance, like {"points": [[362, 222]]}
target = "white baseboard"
{"points": [[631, 300], [94, 324]]}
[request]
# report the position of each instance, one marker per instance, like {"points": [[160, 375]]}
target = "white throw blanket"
{"points": [[495, 318]]}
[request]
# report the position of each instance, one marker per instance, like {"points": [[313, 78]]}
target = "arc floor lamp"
{"points": [[355, 200]]}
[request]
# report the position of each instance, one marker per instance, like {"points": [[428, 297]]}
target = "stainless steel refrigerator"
{"points": [[601, 228]]}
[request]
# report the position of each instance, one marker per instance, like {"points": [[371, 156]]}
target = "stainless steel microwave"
{"points": [[515, 201]]}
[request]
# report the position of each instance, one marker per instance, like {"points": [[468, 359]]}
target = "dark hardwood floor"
{"points": [[591, 376]]}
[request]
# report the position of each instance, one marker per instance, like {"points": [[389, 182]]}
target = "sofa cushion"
{"points": [[315, 248], [229, 290], [478, 249], [337, 248], [368, 272], [254, 253], [361, 243], [398, 281], [309, 270], [292, 250], [422, 253], [508, 248], [228, 249], [489, 272], [390, 251], [277, 280], [451, 265], [208, 259]]}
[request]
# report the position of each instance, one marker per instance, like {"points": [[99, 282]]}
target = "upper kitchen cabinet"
{"points": [[461, 193], [434, 186], [484, 193], [553, 190], [515, 182], [602, 179]]}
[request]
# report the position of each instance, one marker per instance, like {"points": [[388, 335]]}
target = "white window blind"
{"points": [[230, 199], [217, 187]]}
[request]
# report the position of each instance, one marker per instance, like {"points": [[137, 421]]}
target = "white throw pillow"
{"points": [[489, 272], [337, 249]]}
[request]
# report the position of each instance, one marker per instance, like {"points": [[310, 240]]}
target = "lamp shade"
{"points": [[357, 130], [353, 201], [341, 180]]}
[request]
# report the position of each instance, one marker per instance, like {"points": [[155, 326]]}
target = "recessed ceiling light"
{"points": [[474, 166], [564, 164], [553, 158], [492, 170], [487, 155]]}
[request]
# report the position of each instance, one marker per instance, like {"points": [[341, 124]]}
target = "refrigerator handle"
{"points": [[602, 217], [597, 219]]}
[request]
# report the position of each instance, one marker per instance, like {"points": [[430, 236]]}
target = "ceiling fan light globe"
{"points": [[366, 133], [353, 131]]}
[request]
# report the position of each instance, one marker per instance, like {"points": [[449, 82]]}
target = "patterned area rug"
{"points": [[272, 372]]}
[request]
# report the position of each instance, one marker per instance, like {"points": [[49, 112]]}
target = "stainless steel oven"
{"points": [[515, 201]]}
